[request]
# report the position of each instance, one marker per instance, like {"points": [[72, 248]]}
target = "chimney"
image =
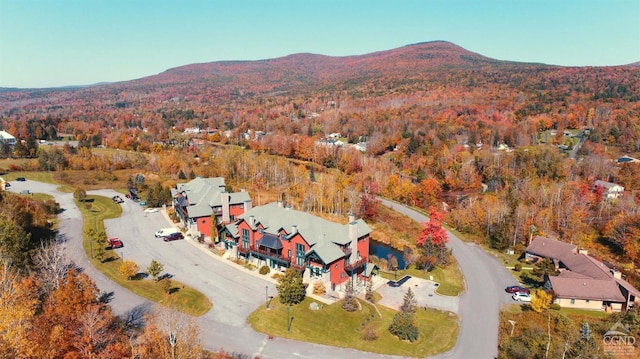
{"points": [[353, 236], [294, 229], [247, 206], [616, 274], [352, 217], [583, 251], [279, 204], [252, 221], [224, 200]]}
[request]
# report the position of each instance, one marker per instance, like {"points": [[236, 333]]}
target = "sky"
{"points": [[51, 43]]}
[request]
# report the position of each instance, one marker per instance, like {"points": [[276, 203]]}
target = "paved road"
{"points": [[235, 293], [479, 306]]}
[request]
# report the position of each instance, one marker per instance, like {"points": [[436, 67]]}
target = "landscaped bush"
{"points": [[517, 267], [264, 270], [369, 333], [275, 276], [318, 288], [555, 306]]}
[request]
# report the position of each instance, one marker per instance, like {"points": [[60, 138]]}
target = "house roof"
{"points": [[274, 217], [327, 251], [605, 184], [270, 241], [549, 248], [585, 276], [585, 288], [202, 194]]}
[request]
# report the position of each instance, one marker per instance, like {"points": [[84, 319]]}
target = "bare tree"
{"points": [[53, 263]]}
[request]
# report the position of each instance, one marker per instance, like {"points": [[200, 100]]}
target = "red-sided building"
{"points": [[199, 201], [282, 237]]}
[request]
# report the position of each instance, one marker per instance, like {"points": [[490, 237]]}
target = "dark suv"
{"points": [[173, 237]]}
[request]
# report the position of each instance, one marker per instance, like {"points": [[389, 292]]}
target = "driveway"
{"points": [[424, 292]]}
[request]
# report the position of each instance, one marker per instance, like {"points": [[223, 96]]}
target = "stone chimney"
{"points": [[224, 201], [353, 236]]}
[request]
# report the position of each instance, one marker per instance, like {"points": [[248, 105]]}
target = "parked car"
{"points": [[115, 243], [21, 179], [521, 297], [151, 210], [166, 231], [117, 199], [173, 237], [516, 289]]}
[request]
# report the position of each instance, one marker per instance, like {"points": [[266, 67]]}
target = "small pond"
{"points": [[385, 251]]}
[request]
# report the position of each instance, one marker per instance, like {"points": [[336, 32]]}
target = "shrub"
{"points": [[404, 327], [276, 276], [518, 267], [555, 306], [318, 288], [264, 270], [370, 333]]}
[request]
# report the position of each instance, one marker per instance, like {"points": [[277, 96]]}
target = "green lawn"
{"points": [[586, 313], [184, 298], [331, 325]]}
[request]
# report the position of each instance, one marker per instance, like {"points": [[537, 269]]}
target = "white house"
{"points": [[611, 190]]}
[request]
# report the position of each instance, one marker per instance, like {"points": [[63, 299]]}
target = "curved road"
{"points": [[480, 304], [235, 293]]}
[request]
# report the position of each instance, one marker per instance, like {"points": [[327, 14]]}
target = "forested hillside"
{"points": [[513, 149]]}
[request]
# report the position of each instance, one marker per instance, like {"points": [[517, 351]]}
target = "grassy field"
{"points": [[183, 298], [438, 330]]}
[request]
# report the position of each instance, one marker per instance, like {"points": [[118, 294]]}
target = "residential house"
{"points": [[282, 237], [584, 282], [7, 138], [201, 200], [611, 190]]}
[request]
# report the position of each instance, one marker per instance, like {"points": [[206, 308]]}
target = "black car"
{"points": [[516, 289], [21, 179], [173, 237]]}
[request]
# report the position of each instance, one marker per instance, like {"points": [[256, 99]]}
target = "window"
{"points": [[573, 301], [241, 205], [586, 301], [289, 253], [245, 238], [299, 254]]}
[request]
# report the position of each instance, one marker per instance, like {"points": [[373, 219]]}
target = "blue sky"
{"points": [[47, 43]]}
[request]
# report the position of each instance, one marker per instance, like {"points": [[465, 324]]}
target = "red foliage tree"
{"points": [[432, 231]]}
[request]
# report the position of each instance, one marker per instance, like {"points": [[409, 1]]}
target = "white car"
{"points": [[151, 210], [521, 297]]}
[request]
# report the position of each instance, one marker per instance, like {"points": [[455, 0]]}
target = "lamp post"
{"points": [[513, 326], [266, 296], [289, 320]]}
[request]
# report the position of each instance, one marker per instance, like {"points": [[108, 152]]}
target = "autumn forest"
{"points": [[506, 150]]}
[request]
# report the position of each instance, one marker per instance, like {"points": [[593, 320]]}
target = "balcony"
{"points": [[264, 253], [357, 264]]}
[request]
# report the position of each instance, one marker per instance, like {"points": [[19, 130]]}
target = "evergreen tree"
{"points": [[290, 287], [403, 325], [349, 303]]}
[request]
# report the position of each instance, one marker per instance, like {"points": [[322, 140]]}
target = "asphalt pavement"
{"points": [[235, 294]]}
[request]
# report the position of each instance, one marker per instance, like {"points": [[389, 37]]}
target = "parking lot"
{"points": [[424, 292]]}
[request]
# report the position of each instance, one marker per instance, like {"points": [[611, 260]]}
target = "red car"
{"points": [[173, 237], [517, 289], [115, 243]]}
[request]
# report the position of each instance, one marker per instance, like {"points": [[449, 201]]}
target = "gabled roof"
{"points": [[270, 241], [550, 248], [605, 184], [327, 251], [586, 288], [322, 236], [202, 194]]}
